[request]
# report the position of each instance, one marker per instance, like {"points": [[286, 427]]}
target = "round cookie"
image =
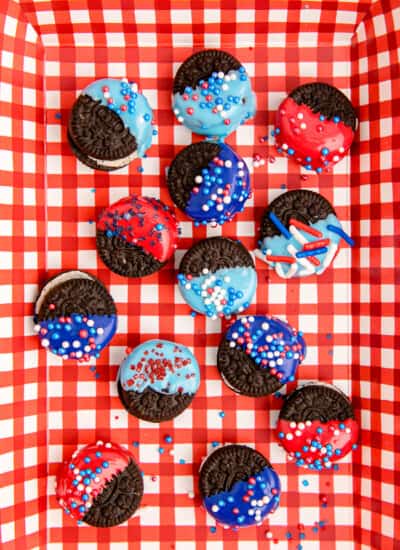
{"points": [[300, 234], [101, 485], [136, 236], [212, 94], [111, 123], [315, 125], [316, 426], [258, 354], [75, 316], [209, 182], [238, 486], [217, 277], [158, 380]]}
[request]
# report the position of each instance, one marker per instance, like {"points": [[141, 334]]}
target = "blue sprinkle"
{"points": [[146, 117], [315, 529], [85, 498], [82, 509], [305, 483], [277, 131], [74, 504], [86, 481], [354, 446], [288, 535], [281, 435], [290, 151], [321, 117], [302, 536], [105, 464], [161, 450], [182, 461], [319, 170], [98, 454], [168, 439], [325, 151], [135, 443], [140, 169], [193, 313], [155, 132], [336, 119], [221, 414], [86, 460], [58, 116], [320, 430], [213, 529], [214, 444], [279, 225], [75, 482], [71, 466]]}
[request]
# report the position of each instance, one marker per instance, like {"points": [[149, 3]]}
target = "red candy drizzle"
{"points": [[314, 143], [314, 443], [142, 221], [86, 474]]}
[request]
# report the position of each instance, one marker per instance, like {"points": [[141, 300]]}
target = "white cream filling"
{"points": [[118, 163]]}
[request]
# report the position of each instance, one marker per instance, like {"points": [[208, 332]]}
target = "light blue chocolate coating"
{"points": [[235, 285], [138, 114], [163, 366], [229, 508], [223, 191], [229, 93]]}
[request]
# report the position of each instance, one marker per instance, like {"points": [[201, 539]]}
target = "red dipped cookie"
{"points": [[315, 125], [101, 485], [136, 236], [317, 426]]}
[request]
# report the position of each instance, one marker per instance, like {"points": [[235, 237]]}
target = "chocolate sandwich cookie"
{"points": [[258, 354], [217, 277], [212, 94], [158, 380], [75, 316], [209, 182], [317, 426], [111, 123], [101, 485], [238, 486], [315, 125], [136, 236], [300, 234]]}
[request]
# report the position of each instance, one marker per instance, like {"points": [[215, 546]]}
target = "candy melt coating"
{"points": [[77, 336], [165, 367], [247, 502], [225, 291], [270, 342], [85, 476], [317, 444], [142, 221], [313, 140], [131, 106], [217, 106], [278, 246], [223, 189]]}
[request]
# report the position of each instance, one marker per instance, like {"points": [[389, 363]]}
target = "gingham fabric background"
{"points": [[49, 51]]}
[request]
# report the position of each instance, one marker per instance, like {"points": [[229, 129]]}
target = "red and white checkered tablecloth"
{"points": [[51, 50]]}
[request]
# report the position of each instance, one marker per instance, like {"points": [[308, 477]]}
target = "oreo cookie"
{"points": [[212, 94], [75, 316], [136, 236], [317, 426], [110, 124], [315, 125], [209, 182], [238, 486], [101, 485], [258, 354], [158, 380], [300, 234], [217, 277]]}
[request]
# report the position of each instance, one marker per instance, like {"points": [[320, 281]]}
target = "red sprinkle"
{"points": [[316, 244], [110, 100], [185, 97], [227, 121], [286, 259], [105, 89], [195, 97], [190, 110], [124, 108], [83, 333]]}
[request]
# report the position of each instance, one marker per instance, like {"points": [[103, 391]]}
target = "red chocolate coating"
{"points": [[302, 434], [71, 496], [142, 221], [309, 140]]}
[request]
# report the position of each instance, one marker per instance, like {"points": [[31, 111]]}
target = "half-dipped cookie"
{"points": [[209, 182], [217, 277], [317, 426], [110, 124], [75, 316], [259, 354], [158, 380], [238, 486], [315, 125], [136, 236], [100, 485], [300, 234], [212, 93]]}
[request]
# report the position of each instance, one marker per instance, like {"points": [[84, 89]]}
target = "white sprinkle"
{"points": [[277, 353], [256, 164], [303, 125], [260, 502], [88, 490], [214, 508], [265, 326], [233, 76], [75, 471], [65, 344], [198, 179], [219, 207], [240, 173], [341, 149], [251, 512], [296, 355], [227, 279], [80, 487], [188, 286], [87, 348], [45, 343], [124, 80], [348, 430], [232, 344], [289, 436], [323, 451], [336, 158], [308, 422], [268, 535], [227, 78], [65, 356], [36, 328], [99, 443], [176, 111], [205, 271], [227, 199], [284, 146], [220, 74], [265, 499], [225, 87], [313, 449], [269, 338], [79, 478], [220, 108], [191, 494], [228, 163], [279, 361], [214, 197], [96, 479], [100, 330], [207, 301], [90, 323], [204, 293], [180, 118], [297, 432], [78, 354], [253, 502], [107, 95], [300, 116], [76, 344], [336, 432], [240, 164], [292, 424], [205, 207]]}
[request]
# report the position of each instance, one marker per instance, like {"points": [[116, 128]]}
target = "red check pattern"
{"points": [[49, 51]]}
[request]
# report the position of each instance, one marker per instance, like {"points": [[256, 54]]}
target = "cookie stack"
{"points": [[75, 316]]}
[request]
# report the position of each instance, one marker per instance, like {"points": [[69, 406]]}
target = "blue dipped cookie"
{"points": [[259, 354], [158, 380], [217, 277], [238, 486], [212, 94], [209, 182], [75, 316], [111, 123]]}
